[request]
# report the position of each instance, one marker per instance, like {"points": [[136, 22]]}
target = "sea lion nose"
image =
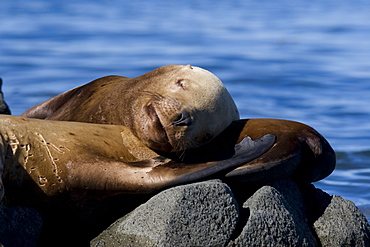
{"points": [[183, 119]]}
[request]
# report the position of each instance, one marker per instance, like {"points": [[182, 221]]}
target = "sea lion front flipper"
{"points": [[175, 173], [113, 177]]}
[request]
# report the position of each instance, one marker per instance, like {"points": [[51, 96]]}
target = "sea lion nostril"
{"points": [[183, 119]]}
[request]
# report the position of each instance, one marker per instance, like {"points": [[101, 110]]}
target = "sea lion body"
{"points": [[170, 109]]}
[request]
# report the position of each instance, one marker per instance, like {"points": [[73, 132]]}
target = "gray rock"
{"points": [[206, 214], [199, 214], [342, 224], [276, 218], [19, 226], [4, 109]]}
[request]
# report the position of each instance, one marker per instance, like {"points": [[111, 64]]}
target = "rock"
{"points": [[19, 226], [276, 217], [206, 214], [4, 109], [199, 214], [342, 224]]}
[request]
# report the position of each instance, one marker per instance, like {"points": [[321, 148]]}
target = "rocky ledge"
{"points": [[208, 214]]}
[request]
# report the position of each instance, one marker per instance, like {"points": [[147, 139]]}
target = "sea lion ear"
{"points": [[188, 66]]}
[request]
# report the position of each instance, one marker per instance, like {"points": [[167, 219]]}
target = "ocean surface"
{"points": [[307, 61]]}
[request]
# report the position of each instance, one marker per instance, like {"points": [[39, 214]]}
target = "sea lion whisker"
{"points": [[153, 95], [159, 97], [191, 144], [179, 147], [182, 155]]}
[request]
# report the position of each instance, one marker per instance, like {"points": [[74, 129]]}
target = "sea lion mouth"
{"points": [[159, 133]]}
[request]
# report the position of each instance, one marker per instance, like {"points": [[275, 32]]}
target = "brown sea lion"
{"points": [[69, 162], [171, 109], [101, 101]]}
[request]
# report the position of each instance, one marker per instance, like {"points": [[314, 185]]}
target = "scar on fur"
{"points": [[52, 159]]}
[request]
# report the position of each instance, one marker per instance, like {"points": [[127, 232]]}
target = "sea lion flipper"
{"points": [[300, 152], [245, 151], [248, 148], [154, 174]]}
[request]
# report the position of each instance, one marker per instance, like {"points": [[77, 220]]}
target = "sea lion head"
{"points": [[184, 107]]}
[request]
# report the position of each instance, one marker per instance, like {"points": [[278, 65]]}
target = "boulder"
{"points": [[342, 224], [206, 214], [275, 217], [199, 214], [4, 109]]}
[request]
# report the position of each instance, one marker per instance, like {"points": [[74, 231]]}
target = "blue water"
{"points": [[307, 61]]}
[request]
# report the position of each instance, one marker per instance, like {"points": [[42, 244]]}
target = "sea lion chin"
{"points": [[169, 109]]}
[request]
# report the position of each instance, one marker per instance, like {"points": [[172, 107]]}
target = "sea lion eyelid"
{"points": [[180, 82]]}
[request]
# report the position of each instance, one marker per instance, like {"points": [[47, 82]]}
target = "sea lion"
{"points": [[171, 109]]}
